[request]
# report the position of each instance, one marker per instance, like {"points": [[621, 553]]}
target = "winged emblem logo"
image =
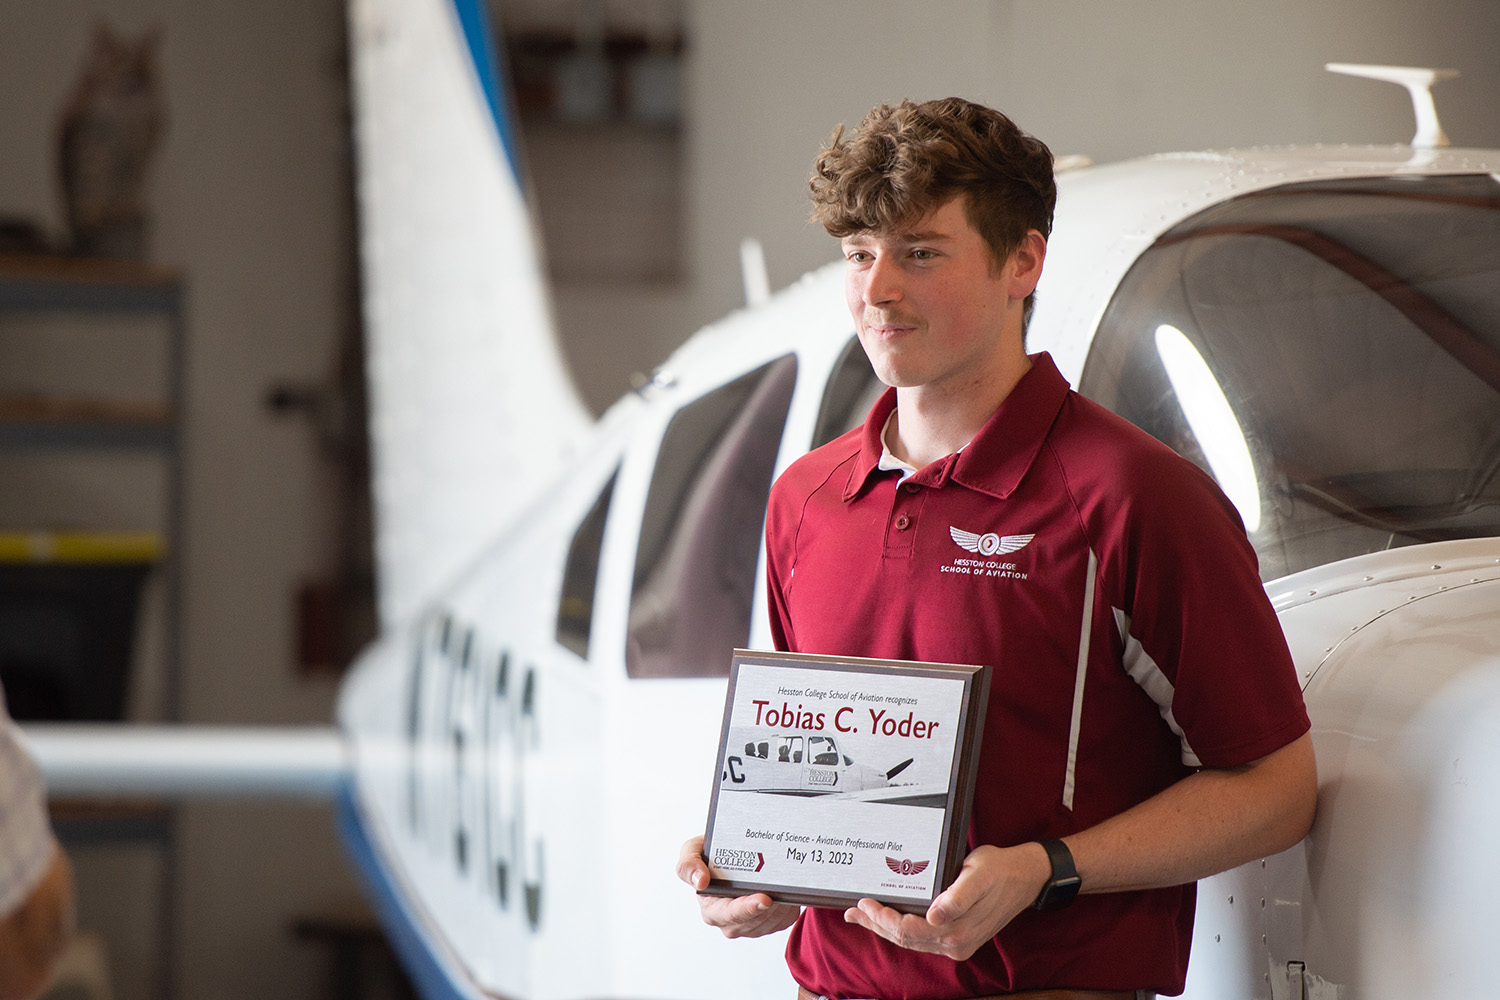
{"points": [[989, 544], [906, 866]]}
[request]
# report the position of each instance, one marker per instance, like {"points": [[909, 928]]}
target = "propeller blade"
{"points": [[899, 768]]}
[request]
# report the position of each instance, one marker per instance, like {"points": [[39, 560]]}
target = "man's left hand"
{"points": [[994, 884]]}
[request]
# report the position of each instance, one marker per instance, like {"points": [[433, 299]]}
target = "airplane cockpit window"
{"points": [[575, 611], [851, 390], [821, 750], [1330, 353], [695, 574]]}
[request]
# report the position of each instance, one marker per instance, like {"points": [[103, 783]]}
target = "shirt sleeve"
{"points": [[1200, 616], [778, 556]]}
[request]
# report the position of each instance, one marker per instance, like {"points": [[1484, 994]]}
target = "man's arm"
{"points": [[33, 937], [738, 916], [1208, 822]]}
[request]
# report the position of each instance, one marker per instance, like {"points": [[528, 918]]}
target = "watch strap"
{"points": [[1064, 883]]}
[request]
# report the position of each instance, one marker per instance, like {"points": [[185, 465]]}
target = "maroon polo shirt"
{"points": [[1110, 585]]}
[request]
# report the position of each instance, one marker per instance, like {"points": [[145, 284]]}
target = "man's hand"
{"points": [[738, 916], [993, 886]]}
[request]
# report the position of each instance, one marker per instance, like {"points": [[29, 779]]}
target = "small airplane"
{"points": [[1317, 327], [796, 763]]}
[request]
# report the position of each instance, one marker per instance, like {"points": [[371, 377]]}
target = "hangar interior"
{"points": [[224, 349]]}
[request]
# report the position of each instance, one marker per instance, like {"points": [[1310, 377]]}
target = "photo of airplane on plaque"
{"points": [[842, 778]]}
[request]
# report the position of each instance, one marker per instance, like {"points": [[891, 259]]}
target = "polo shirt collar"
{"points": [[998, 457]]}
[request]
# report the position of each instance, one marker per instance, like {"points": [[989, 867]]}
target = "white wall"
{"points": [[247, 201]]}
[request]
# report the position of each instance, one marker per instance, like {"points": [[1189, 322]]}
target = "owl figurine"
{"points": [[108, 131]]}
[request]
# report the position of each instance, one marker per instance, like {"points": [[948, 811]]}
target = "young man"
{"points": [[1145, 723]]}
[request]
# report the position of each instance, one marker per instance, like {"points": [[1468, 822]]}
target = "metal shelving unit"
{"points": [[101, 289], [81, 285]]}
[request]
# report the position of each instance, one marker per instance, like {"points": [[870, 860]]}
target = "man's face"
{"points": [[930, 306]]}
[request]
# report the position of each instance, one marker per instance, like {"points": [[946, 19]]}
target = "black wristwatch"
{"points": [[1063, 885]]}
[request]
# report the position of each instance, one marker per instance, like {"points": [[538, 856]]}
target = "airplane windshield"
{"points": [[1330, 353], [821, 750], [851, 391]]}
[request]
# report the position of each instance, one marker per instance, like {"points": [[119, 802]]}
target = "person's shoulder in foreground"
{"points": [[36, 880]]}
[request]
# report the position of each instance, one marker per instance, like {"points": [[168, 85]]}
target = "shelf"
{"points": [[93, 548], [36, 281], [98, 821], [51, 421], [63, 410], [49, 435]]}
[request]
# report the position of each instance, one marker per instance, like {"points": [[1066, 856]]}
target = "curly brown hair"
{"points": [[905, 161]]}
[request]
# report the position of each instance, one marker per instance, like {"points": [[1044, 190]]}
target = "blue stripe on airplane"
{"points": [[431, 980], [474, 17]]}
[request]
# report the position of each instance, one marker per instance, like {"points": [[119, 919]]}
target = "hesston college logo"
{"points": [[987, 547], [906, 866], [739, 860], [989, 544]]}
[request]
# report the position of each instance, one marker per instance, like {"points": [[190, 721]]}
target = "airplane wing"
{"points": [[110, 761], [932, 796]]}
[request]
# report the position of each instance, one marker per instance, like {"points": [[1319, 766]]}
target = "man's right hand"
{"points": [[737, 916]]}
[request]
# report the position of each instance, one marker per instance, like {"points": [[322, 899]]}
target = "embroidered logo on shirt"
{"points": [[989, 544]]}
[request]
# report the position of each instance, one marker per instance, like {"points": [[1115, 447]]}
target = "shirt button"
{"points": [[903, 522], [913, 487]]}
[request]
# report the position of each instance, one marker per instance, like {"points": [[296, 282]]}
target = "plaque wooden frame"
{"points": [[803, 715]]}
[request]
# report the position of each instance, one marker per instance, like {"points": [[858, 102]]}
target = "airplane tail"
{"points": [[472, 407]]}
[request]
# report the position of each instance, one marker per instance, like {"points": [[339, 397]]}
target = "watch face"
{"points": [[1059, 893]]}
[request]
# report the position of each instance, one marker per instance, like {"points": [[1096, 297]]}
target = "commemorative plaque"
{"points": [[842, 778]]}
